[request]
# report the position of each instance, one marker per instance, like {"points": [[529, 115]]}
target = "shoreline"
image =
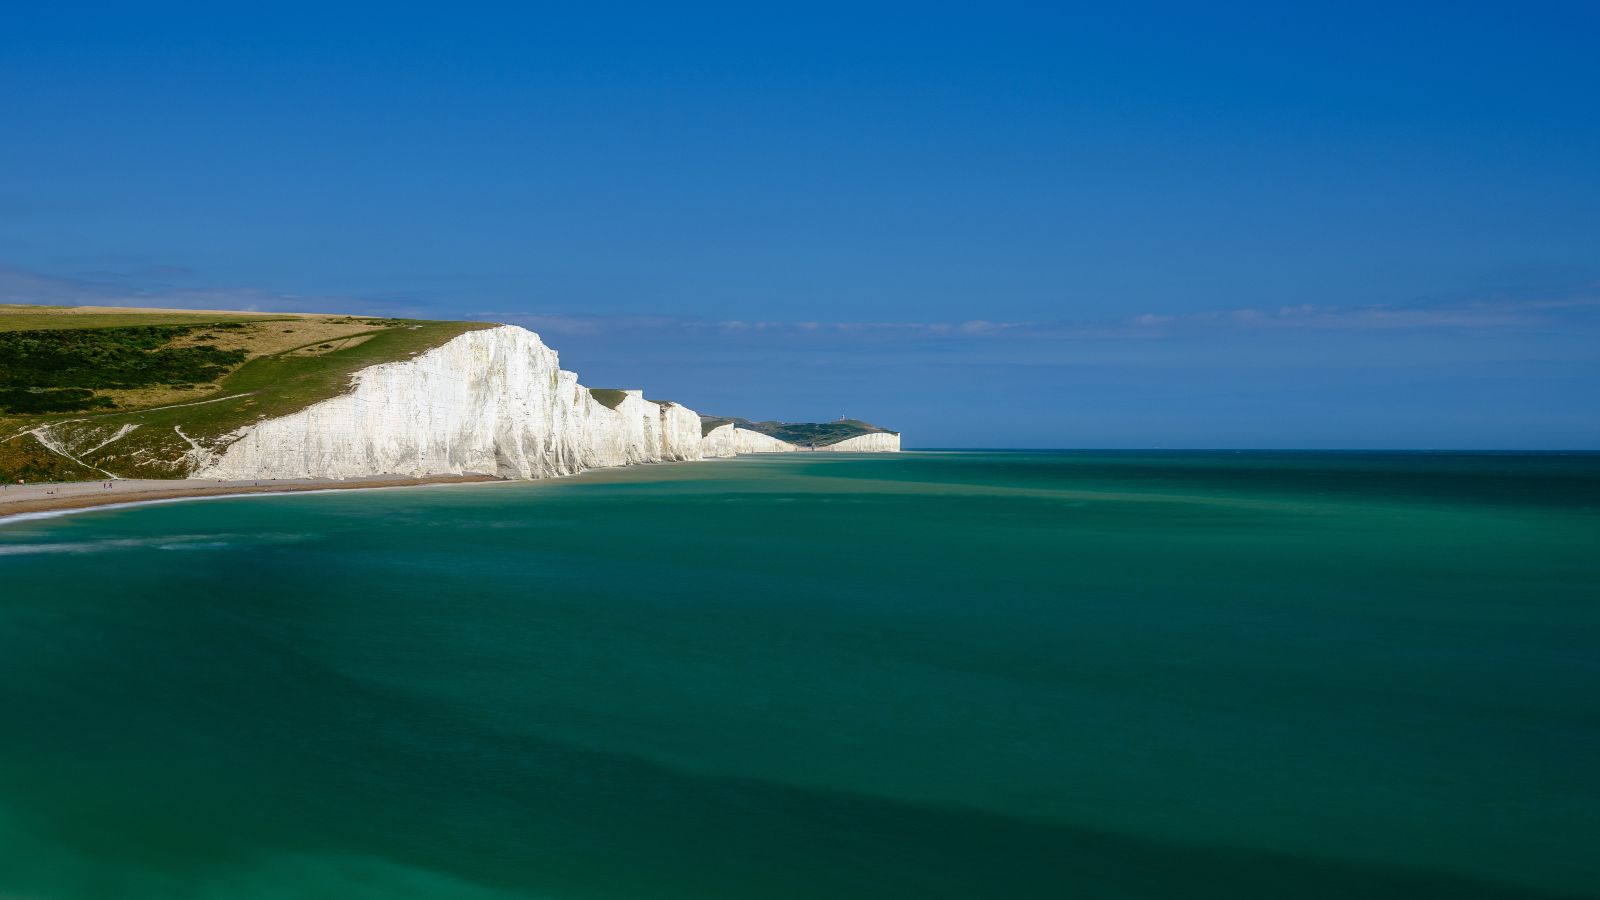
{"points": [[60, 498], [48, 500]]}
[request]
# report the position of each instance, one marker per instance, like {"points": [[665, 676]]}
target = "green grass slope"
{"points": [[54, 318], [58, 370], [141, 348]]}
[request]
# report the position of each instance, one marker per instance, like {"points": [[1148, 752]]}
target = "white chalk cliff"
{"points": [[730, 440], [877, 442], [492, 402]]}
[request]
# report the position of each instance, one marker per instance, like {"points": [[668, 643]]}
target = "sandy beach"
{"points": [[16, 499]]}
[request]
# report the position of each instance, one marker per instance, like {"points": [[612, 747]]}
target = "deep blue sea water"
{"points": [[963, 675]]}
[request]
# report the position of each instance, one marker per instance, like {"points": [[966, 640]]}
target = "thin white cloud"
{"points": [[22, 287], [1460, 316], [1476, 314], [19, 286]]}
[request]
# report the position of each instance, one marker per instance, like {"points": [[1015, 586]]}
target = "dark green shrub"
{"points": [[128, 357], [52, 401]]}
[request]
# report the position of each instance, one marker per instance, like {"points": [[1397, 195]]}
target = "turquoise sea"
{"points": [[937, 675]]}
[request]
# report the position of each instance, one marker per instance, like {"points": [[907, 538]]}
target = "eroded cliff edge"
{"points": [[493, 402]]}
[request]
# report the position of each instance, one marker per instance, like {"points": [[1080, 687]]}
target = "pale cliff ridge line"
{"points": [[493, 401], [877, 442], [729, 439], [747, 441], [718, 443]]}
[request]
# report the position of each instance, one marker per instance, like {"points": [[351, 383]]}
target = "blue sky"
{"points": [[1129, 225]]}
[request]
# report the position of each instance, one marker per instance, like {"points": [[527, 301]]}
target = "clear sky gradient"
{"points": [[1118, 225]]}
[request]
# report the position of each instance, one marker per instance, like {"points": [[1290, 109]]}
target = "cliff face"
{"points": [[730, 440], [638, 431], [879, 442], [747, 441], [493, 402], [718, 443], [680, 433]]}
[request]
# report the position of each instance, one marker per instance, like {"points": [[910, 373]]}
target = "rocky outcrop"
{"points": [[492, 402], [730, 440], [631, 433], [680, 432], [747, 441], [718, 442], [877, 442]]}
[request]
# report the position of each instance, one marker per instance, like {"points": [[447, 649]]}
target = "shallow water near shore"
{"points": [[1096, 675]]}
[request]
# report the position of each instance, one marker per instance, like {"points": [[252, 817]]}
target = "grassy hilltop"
{"points": [[87, 392], [129, 391]]}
